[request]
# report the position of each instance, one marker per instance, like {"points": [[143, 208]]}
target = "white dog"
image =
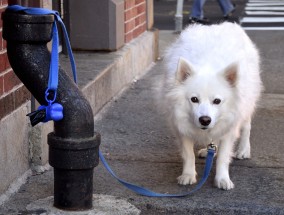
{"points": [[211, 86]]}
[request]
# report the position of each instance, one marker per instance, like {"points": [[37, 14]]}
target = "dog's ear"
{"points": [[184, 69], [231, 74]]}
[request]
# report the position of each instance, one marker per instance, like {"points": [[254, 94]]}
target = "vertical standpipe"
{"points": [[73, 146], [179, 16]]}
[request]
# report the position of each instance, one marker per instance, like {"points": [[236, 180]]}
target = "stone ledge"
{"points": [[128, 64]]}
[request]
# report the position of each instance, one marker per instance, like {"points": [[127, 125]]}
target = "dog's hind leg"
{"points": [[188, 174], [243, 150]]}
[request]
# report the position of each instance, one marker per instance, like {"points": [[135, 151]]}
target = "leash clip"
{"points": [[50, 93], [212, 146]]}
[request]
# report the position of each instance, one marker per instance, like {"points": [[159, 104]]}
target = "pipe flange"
{"points": [[74, 154]]}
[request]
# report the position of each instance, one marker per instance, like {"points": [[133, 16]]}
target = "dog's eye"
{"points": [[217, 101], [194, 99]]}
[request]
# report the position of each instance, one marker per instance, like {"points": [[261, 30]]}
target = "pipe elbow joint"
{"points": [[27, 37]]}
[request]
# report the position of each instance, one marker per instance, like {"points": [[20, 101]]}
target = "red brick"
{"points": [[7, 63], [136, 32], [130, 14], [3, 61], [140, 19], [21, 96], [10, 81], [141, 8], [1, 85], [139, 30], [13, 100], [6, 105], [129, 26], [10, 2], [134, 12], [137, 21], [4, 2], [1, 10], [139, 1], [128, 37], [129, 4]]}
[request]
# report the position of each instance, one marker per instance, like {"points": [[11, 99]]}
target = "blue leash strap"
{"points": [[145, 192], [53, 69], [54, 65]]}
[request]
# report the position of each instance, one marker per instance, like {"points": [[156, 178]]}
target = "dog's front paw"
{"points": [[185, 179], [224, 183]]}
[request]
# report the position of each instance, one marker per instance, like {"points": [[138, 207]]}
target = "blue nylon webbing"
{"points": [[53, 83], [145, 192]]}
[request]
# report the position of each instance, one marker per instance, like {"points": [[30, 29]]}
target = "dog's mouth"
{"points": [[204, 128]]}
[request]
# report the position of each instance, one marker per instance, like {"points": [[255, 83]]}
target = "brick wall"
{"points": [[12, 92], [135, 18]]}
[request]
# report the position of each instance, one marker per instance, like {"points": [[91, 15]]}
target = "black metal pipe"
{"points": [[73, 146]]}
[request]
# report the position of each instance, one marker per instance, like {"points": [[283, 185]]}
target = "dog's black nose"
{"points": [[205, 120]]}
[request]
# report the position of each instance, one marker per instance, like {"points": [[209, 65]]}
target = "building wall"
{"points": [[18, 149], [12, 92], [14, 129], [135, 18]]}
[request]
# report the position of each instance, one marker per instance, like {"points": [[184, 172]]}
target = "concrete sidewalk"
{"points": [[141, 149]]}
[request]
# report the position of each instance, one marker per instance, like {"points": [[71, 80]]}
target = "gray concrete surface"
{"points": [[271, 48], [139, 146], [102, 205]]}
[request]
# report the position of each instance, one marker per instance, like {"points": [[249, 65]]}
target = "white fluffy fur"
{"points": [[221, 63]]}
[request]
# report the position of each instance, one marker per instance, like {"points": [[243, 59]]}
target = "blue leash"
{"points": [[54, 111], [145, 192]]}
